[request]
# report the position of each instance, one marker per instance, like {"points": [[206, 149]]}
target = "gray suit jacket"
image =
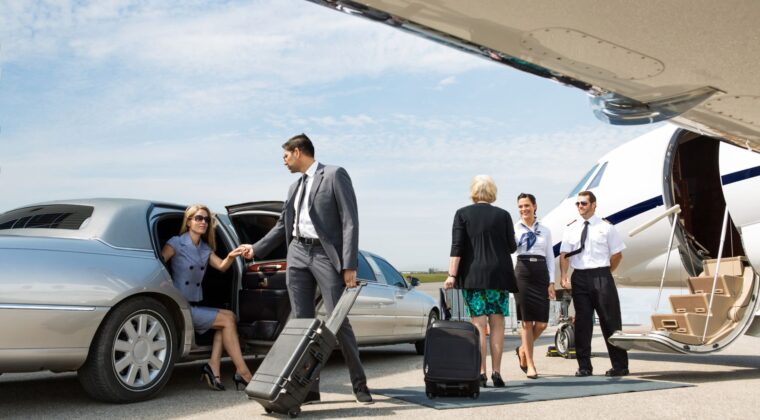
{"points": [[333, 211]]}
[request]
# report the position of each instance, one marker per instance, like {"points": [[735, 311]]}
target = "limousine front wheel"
{"points": [[133, 353]]}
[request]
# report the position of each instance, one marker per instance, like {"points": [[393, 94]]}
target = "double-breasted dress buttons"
{"points": [[189, 266]]}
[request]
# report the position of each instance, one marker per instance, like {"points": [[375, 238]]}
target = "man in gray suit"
{"points": [[320, 224]]}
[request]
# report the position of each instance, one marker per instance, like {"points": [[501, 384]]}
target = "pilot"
{"points": [[593, 248]]}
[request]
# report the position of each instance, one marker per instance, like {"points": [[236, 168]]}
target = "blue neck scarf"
{"points": [[529, 238]]}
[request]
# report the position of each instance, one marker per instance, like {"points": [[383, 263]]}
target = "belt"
{"points": [[591, 270], [531, 258], [307, 241]]}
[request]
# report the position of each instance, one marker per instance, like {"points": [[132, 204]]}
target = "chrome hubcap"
{"points": [[140, 350]]}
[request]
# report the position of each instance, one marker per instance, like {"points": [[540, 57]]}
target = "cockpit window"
{"points": [[580, 185], [598, 177]]}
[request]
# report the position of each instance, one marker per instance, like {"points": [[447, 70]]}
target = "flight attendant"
{"points": [[593, 248], [535, 279]]}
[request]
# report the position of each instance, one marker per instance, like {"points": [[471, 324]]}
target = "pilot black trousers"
{"points": [[594, 290]]}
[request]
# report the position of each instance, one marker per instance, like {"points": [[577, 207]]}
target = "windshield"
{"points": [[582, 182]]}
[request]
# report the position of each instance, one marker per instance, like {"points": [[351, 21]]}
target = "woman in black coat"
{"points": [[482, 240]]}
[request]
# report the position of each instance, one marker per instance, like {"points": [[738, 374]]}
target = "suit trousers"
{"points": [[309, 267], [594, 290]]}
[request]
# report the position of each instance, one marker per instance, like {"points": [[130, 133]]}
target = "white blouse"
{"points": [[543, 246]]}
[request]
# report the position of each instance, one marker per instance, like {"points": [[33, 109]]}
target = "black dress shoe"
{"points": [[519, 360], [583, 372], [483, 380], [617, 372], [362, 395], [211, 379], [498, 382]]}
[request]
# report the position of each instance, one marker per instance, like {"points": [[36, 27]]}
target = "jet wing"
{"points": [[694, 62]]}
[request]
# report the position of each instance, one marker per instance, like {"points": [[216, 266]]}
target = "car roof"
{"points": [[119, 222]]}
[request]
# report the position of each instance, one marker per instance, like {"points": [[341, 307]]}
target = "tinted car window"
{"points": [[252, 227], [56, 216], [376, 270], [364, 271], [392, 276]]}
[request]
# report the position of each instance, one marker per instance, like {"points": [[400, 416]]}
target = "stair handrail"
{"points": [[675, 210], [717, 270]]}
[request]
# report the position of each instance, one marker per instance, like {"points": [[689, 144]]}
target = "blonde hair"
{"points": [[482, 188], [209, 237]]}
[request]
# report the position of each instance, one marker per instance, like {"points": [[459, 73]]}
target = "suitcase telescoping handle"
{"points": [[343, 306]]}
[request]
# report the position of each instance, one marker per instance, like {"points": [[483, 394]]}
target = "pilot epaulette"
{"points": [[573, 221]]}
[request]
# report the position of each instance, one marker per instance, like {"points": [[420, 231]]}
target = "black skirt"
{"points": [[533, 285]]}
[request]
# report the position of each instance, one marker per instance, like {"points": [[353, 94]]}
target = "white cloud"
{"points": [[446, 82]]}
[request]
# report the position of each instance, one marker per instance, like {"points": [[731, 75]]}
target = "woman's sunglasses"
{"points": [[198, 218]]}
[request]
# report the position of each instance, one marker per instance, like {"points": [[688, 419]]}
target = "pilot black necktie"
{"points": [[584, 233], [300, 203]]}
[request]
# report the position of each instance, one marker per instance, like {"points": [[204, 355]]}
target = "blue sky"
{"points": [[190, 102]]}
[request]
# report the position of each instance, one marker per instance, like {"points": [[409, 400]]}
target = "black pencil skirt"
{"points": [[533, 285]]}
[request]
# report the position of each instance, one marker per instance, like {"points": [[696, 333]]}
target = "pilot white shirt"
{"points": [[305, 225], [602, 241], [543, 246]]}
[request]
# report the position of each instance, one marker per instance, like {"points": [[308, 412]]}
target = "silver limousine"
{"points": [[82, 288]]}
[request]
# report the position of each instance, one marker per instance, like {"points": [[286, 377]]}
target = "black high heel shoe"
{"points": [[212, 380], [238, 380]]}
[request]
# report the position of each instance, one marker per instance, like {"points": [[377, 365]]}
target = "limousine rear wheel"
{"points": [[132, 355]]}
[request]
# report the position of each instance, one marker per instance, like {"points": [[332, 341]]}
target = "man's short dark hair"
{"points": [[301, 142], [589, 194]]}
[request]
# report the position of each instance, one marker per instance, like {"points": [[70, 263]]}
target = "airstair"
{"points": [[720, 306]]}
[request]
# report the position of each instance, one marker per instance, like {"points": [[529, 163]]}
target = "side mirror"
{"points": [[415, 281]]}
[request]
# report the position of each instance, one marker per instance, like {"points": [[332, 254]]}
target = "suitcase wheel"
{"points": [[475, 395], [430, 395], [268, 410], [294, 413]]}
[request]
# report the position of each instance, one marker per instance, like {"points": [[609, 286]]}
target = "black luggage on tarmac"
{"points": [[296, 358], [452, 359]]}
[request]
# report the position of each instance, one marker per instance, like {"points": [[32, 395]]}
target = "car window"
{"points": [[364, 272], [376, 270], [392, 276], [598, 177], [582, 182], [56, 216]]}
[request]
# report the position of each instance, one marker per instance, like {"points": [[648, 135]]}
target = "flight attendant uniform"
{"points": [[593, 288], [188, 268], [534, 271]]}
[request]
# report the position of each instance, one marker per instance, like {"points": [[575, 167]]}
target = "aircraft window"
{"points": [[578, 188], [598, 177]]}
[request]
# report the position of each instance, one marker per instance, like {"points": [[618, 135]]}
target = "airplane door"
{"points": [[740, 178]]}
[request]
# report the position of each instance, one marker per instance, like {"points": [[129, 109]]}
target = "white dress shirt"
{"points": [[602, 241], [543, 246], [305, 225]]}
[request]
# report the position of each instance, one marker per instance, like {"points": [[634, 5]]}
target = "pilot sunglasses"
{"points": [[581, 203]]}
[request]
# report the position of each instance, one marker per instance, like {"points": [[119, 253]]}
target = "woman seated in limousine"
{"points": [[190, 253]]}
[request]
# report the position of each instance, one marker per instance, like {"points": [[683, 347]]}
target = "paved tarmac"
{"points": [[725, 385]]}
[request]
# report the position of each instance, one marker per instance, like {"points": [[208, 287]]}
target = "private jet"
{"points": [[680, 200], [691, 64]]}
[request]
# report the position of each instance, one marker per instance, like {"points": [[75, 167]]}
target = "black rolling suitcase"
{"points": [[452, 358], [296, 358]]}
